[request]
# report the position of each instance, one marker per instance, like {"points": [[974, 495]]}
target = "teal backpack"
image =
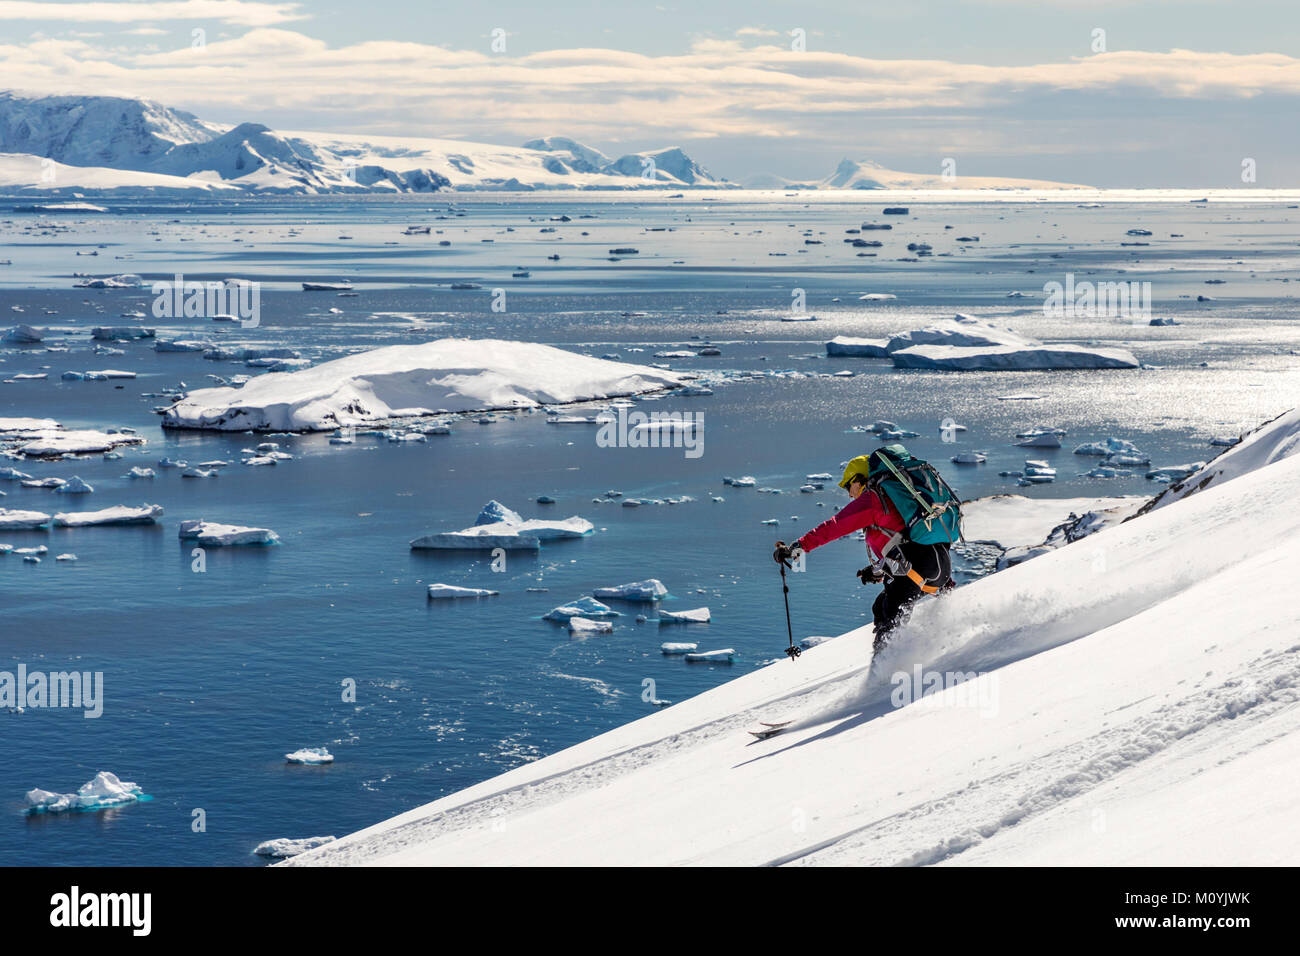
{"points": [[931, 510]]}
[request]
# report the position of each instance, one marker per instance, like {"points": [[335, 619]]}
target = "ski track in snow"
{"points": [[1271, 690]]}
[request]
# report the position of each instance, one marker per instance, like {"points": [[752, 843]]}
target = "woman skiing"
{"points": [[908, 570]]}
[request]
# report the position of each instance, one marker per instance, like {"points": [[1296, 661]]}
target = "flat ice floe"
{"points": [[102, 792], [451, 374], [500, 527], [582, 625], [438, 592], [121, 514], [218, 535], [1012, 357], [54, 441], [726, 654], [699, 615]]}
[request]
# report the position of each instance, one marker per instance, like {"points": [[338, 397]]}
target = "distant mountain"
{"points": [[54, 144], [865, 174]]}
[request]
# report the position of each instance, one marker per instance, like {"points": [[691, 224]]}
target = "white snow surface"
{"points": [[1127, 684], [451, 374]]}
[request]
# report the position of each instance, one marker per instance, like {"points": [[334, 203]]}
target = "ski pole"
{"points": [[792, 652]]}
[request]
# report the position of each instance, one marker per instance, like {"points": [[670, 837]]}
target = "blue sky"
{"points": [[1175, 93]]}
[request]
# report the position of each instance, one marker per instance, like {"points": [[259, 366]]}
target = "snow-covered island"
{"points": [[1108, 672], [446, 375]]}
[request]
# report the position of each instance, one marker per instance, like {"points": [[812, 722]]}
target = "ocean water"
{"points": [[210, 678]]}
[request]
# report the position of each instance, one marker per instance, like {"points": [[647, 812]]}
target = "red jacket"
{"points": [[866, 509]]}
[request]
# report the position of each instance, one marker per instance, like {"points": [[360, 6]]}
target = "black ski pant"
{"points": [[894, 603]]}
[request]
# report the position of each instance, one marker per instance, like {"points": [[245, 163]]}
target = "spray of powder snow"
{"points": [[995, 621]]}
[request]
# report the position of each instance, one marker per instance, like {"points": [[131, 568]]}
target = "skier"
{"points": [[907, 569]]}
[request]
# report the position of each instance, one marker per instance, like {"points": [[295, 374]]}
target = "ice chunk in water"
{"points": [[310, 755]]}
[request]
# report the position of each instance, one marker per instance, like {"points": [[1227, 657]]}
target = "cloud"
{"points": [[246, 13], [715, 89]]}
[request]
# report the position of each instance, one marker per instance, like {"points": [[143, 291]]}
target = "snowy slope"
{"points": [[22, 172], [1124, 701], [1270, 442]]}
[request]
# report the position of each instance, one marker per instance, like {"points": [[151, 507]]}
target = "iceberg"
{"points": [[494, 511], [994, 358], [22, 335], [1107, 447], [651, 589], [511, 534], [451, 374], [581, 625], [438, 592], [285, 847], [583, 607], [112, 333], [867, 348], [476, 539], [677, 647], [699, 615], [74, 486], [965, 334], [102, 792], [214, 534], [14, 520], [1044, 440], [310, 755], [54, 442], [121, 514]]}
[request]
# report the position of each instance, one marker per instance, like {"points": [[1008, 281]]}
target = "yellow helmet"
{"points": [[858, 466]]}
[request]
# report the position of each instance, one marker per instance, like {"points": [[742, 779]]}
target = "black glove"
{"points": [[870, 575], [785, 553]]}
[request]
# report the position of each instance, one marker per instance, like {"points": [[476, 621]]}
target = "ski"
{"points": [[770, 729]]}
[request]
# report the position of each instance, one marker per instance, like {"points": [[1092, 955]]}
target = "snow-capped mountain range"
{"points": [[51, 144], [64, 144]]}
